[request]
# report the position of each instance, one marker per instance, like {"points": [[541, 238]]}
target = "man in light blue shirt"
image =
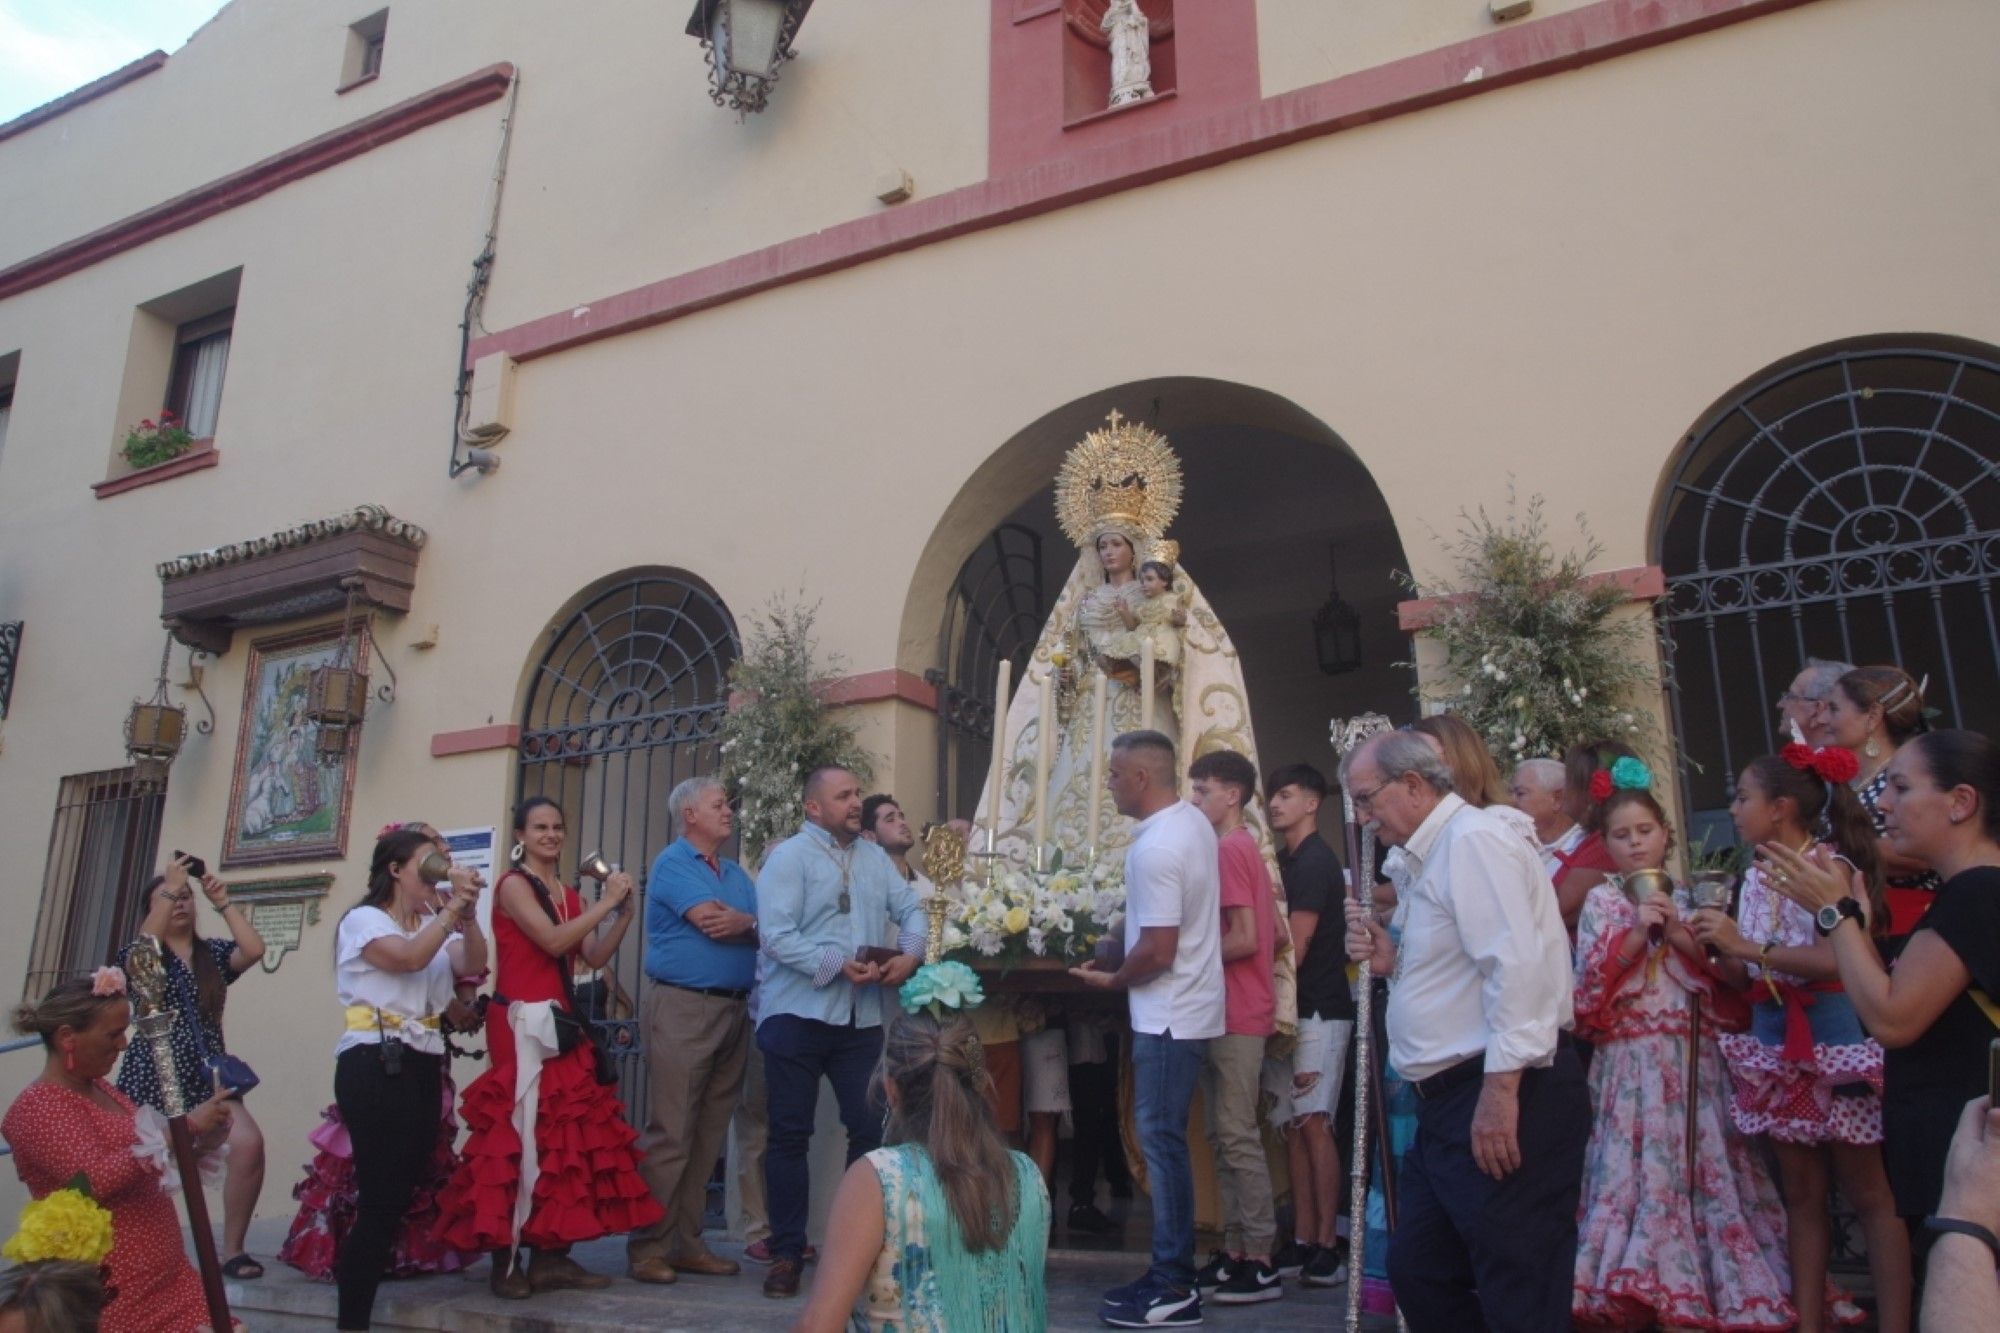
{"points": [[823, 896], [701, 952]]}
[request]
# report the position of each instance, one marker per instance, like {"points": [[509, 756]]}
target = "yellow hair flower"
{"points": [[65, 1225]]}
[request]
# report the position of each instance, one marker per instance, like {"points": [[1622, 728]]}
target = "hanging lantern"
{"points": [[337, 694], [745, 42], [1337, 629], [154, 730]]}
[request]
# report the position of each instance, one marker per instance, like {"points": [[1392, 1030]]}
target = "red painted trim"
{"points": [[875, 686], [499, 736], [1509, 55], [199, 456], [90, 92], [259, 179], [1642, 583]]}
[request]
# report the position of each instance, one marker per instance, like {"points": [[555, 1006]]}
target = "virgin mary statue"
{"points": [[1128, 598]]}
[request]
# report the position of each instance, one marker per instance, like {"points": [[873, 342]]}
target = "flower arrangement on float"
{"points": [[1014, 914]]}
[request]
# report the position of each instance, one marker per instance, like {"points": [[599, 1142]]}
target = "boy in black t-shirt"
{"points": [[1314, 889]]}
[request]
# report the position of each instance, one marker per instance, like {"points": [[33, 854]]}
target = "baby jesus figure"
{"points": [[1154, 624]]}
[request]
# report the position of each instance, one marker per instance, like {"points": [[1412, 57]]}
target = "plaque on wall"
{"points": [[280, 910]]}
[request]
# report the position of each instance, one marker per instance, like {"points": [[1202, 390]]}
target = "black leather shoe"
{"points": [[1087, 1217]]}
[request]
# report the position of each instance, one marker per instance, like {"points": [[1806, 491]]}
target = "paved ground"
{"points": [[283, 1300]]}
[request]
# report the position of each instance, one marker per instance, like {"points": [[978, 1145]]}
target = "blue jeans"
{"points": [[797, 1053], [1164, 1073]]}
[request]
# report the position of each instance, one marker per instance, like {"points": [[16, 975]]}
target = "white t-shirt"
{"points": [[1172, 879], [407, 994]]}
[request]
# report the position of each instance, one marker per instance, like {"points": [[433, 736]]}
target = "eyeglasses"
{"points": [[1364, 799], [1807, 701], [185, 895]]}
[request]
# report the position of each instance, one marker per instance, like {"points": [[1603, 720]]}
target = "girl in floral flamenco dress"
{"points": [[1655, 1248], [1806, 1073]]}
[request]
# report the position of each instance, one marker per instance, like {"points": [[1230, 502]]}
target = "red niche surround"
{"points": [[1207, 63]]}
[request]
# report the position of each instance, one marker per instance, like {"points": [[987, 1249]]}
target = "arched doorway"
{"points": [[624, 700], [1270, 490], [1844, 505]]}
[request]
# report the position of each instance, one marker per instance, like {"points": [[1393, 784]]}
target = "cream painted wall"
{"points": [[1302, 42], [1551, 281], [622, 166]]}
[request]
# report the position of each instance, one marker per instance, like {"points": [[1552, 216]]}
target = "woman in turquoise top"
{"points": [[945, 1230]]}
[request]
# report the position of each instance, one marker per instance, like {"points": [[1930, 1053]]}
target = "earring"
{"points": [[514, 853], [69, 1053], [1871, 749]]}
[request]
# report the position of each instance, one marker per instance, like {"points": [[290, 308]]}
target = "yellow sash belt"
{"points": [[367, 1018]]}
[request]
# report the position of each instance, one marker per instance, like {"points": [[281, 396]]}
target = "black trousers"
{"points": [[1093, 1093], [393, 1121], [1472, 1253]]}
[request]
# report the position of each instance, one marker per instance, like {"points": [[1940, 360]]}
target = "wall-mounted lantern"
{"points": [[337, 694], [745, 42], [154, 730]]}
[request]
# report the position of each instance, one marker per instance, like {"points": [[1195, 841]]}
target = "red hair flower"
{"points": [[1600, 785], [1798, 756], [1836, 765]]}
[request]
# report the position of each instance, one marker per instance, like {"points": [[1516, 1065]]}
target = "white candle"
{"points": [[1146, 688], [1045, 749], [998, 784], [1099, 745]]}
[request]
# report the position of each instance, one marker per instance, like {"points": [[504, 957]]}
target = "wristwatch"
{"points": [[1828, 918]]}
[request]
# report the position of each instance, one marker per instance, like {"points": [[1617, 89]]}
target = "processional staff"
{"points": [[146, 978], [1368, 1100]]}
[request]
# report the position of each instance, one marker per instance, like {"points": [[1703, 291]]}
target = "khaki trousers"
{"points": [[1229, 1081], [696, 1047], [750, 1131]]}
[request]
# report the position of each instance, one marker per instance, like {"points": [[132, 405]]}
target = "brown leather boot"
{"points": [[782, 1282], [554, 1270], [509, 1286]]}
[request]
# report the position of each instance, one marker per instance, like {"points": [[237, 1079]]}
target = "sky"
{"points": [[48, 47]]}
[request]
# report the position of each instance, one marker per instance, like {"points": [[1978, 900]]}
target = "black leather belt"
{"points": [[1472, 1067], [719, 992], [1450, 1077]]}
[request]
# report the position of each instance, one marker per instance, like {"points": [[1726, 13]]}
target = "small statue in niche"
{"points": [[1131, 52]]}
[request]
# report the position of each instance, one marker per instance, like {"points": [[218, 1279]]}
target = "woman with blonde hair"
{"points": [[944, 1230]]}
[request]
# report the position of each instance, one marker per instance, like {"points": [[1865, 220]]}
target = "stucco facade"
{"points": [[787, 385]]}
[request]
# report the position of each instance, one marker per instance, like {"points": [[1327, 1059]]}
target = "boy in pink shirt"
{"points": [[1222, 784]]}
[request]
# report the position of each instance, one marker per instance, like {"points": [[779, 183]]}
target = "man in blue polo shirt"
{"points": [[701, 950]]}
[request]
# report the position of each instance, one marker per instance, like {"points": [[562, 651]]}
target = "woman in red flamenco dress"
{"points": [[586, 1181]]}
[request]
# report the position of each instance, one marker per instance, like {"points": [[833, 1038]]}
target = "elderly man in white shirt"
{"points": [[1478, 1000]]}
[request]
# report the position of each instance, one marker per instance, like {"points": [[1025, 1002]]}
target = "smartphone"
{"points": [[1993, 1074], [197, 868]]}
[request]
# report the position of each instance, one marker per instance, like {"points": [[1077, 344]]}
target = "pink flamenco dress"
{"points": [[587, 1183], [327, 1199], [55, 1133], [1650, 1250], [1806, 1071]]}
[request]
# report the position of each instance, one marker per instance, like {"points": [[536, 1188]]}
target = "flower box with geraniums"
{"points": [[151, 443]]}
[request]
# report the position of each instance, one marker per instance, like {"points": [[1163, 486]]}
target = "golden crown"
{"points": [[1124, 477]]}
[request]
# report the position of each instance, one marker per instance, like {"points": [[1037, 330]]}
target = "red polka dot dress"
{"points": [[56, 1133]]}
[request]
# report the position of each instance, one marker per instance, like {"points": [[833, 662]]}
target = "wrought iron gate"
{"points": [[1846, 506], [625, 702], [994, 614]]}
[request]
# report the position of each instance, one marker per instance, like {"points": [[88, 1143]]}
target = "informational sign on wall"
{"points": [[471, 847]]}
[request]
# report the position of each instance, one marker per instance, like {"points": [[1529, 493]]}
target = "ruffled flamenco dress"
{"points": [[587, 1183], [327, 1198]]}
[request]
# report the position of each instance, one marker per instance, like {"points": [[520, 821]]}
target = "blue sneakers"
{"points": [[1149, 1303]]}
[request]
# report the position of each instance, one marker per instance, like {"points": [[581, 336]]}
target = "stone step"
{"points": [[283, 1300]]}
